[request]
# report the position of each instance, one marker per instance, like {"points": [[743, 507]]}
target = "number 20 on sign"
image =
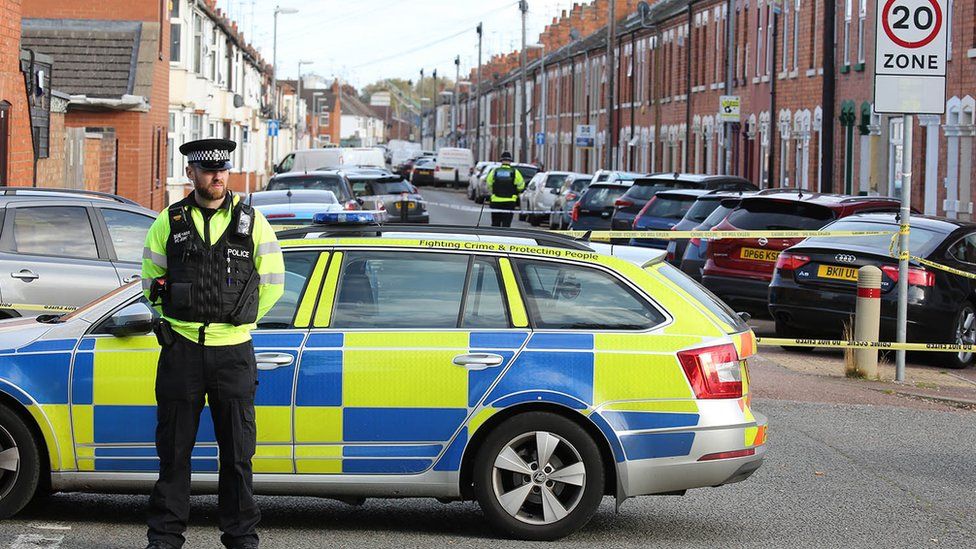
{"points": [[910, 57]]}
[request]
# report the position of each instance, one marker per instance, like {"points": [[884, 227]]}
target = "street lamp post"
{"points": [[298, 99], [274, 74], [477, 101], [545, 94], [456, 103]]}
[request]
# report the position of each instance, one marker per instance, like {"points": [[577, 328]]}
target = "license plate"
{"points": [[840, 273], [756, 254]]}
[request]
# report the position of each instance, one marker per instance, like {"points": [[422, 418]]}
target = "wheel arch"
{"points": [[466, 473], [17, 406]]}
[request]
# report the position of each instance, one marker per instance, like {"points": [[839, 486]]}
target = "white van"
{"points": [[363, 156], [453, 165], [310, 160]]}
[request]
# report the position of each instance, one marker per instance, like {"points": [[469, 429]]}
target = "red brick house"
{"points": [[16, 148]]}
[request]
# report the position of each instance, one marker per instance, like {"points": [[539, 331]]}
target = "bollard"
{"points": [[867, 319]]}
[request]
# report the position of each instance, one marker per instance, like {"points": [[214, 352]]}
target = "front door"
{"points": [[409, 342], [113, 404]]}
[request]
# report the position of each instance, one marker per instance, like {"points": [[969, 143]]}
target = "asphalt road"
{"points": [[847, 466], [451, 215]]}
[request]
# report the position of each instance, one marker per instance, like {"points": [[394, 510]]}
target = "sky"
{"points": [[363, 41]]}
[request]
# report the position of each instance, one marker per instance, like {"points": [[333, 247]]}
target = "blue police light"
{"points": [[349, 218]]}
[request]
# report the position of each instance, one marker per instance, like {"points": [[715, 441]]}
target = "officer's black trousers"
{"points": [[227, 376], [502, 219]]}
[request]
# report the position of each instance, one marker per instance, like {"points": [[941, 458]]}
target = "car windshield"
{"points": [[392, 187], [528, 172], [424, 162], [920, 241], [324, 183], [305, 196], [555, 180], [771, 214], [601, 196], [701, 209], [669, 206]]}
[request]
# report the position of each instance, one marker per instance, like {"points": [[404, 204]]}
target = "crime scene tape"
{"points": [[880, 345], [905, 230], [36, 307], [718, 235]]}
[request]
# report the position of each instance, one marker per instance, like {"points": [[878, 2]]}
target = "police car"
{"points": [[526, 370]]}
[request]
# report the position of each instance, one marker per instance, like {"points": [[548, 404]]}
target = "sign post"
{"points": [[909, 78], [585, 135], [729, 108]]}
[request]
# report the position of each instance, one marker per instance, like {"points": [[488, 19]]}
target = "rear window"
{"points": [[672, 207], [393, 187], [701, 209], [920, 241], [779, 215], [601, 197], [709, 300], [554, 181], [264, 199], [333, 184], [645, 192], [579, 184], [717, 215], [527, 172]]}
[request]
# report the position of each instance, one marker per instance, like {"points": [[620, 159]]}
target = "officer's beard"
{"points": [[209, 192]]}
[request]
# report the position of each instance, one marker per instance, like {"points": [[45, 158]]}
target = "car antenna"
{"points": [[585, 237]]}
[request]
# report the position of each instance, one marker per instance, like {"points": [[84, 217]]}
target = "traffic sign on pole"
{"points": [[540, 138], [910, 56]]}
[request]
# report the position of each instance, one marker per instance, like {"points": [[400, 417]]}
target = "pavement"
{"points": [[850, 463]]}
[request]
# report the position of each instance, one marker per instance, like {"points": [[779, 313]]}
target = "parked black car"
{"points": [[692, 261], [814, 286], [423, 171], [632, 202], [595, 206]]}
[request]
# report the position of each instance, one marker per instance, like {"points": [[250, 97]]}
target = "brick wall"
{"points": [[92, 171], [20, 155], [50, 170], [141, 160]]}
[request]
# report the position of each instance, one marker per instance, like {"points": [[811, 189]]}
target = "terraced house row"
{"points": [[804, 77]]}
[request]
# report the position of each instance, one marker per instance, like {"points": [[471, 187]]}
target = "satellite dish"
{"points": [[574, 34], [238, 100]]}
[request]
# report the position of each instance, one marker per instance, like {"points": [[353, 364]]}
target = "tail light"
{"points": [[622, 203], [571, 196], [696, 242], [916, 276], [574, 215], [642, 210], [791, 262], [713, 372], [437, 168], [352, 205]]}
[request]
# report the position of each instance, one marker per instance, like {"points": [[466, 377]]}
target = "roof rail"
{"points": [[94, 194], [872, 198], [542, 238]]}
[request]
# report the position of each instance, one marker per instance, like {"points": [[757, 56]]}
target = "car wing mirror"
{"points": [[746, 317], [132, 320]]}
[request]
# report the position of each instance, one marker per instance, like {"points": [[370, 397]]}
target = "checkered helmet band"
{"points": [[211, 156]]}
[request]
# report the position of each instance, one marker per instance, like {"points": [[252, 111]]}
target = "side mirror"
{"points": [[744, 316], [555, 191], [133, 320]]}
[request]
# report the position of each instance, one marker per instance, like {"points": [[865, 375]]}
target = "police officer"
{"points": [[505, 184], [214, 267]]}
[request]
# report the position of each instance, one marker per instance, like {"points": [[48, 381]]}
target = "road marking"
{"points": [[37, 541], [49, 526]]}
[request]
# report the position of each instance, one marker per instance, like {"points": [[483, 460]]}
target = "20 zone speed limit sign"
{"points": [[910, 57]]}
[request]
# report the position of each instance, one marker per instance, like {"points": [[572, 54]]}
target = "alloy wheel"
{"points": [[9, 462], [539, 478], [966, 332]]}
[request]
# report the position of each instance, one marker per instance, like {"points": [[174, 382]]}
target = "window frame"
{"points": [[949, 249], [629, 286], [107, 234]]}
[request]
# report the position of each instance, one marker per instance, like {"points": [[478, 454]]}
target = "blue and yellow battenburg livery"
{"points": [[361, 412]]}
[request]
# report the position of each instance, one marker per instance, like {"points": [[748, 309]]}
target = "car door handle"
{"points": [[273, 361], [25, 274], [131, 278], [478, 361]]}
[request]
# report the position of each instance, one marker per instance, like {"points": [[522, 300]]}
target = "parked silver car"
{"points": [[60, 248]]}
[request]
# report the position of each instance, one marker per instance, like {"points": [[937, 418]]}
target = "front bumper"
{"points": [[675, 474]]}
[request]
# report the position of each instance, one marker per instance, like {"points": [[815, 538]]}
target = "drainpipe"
{"points": [[829, 81], [688, 85]]}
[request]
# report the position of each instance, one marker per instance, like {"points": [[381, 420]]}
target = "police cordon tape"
{"points": [[717, 235], [881, 345], [36, 307]]}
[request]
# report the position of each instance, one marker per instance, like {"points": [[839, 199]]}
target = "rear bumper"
{"points": [[675, 474], [745, 294]]}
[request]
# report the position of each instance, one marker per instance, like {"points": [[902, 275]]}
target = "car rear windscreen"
{"points": [[718, 215], [701, 209], [772, 214], [920, 241], [601, 196], [304, 196], [392, 187], [555, 181], [333, 184], [527, 172], [669, 206]]}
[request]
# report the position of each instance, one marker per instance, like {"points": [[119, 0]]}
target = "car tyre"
{"points": [[523, 499], [20, 463], [961, 334]]}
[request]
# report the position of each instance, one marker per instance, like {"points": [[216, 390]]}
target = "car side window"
{"points": [[964, 249], [287, 163], [406, 290], [561, 296], [298, 267], [62, 231], [128, 232], [484, 304]]}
